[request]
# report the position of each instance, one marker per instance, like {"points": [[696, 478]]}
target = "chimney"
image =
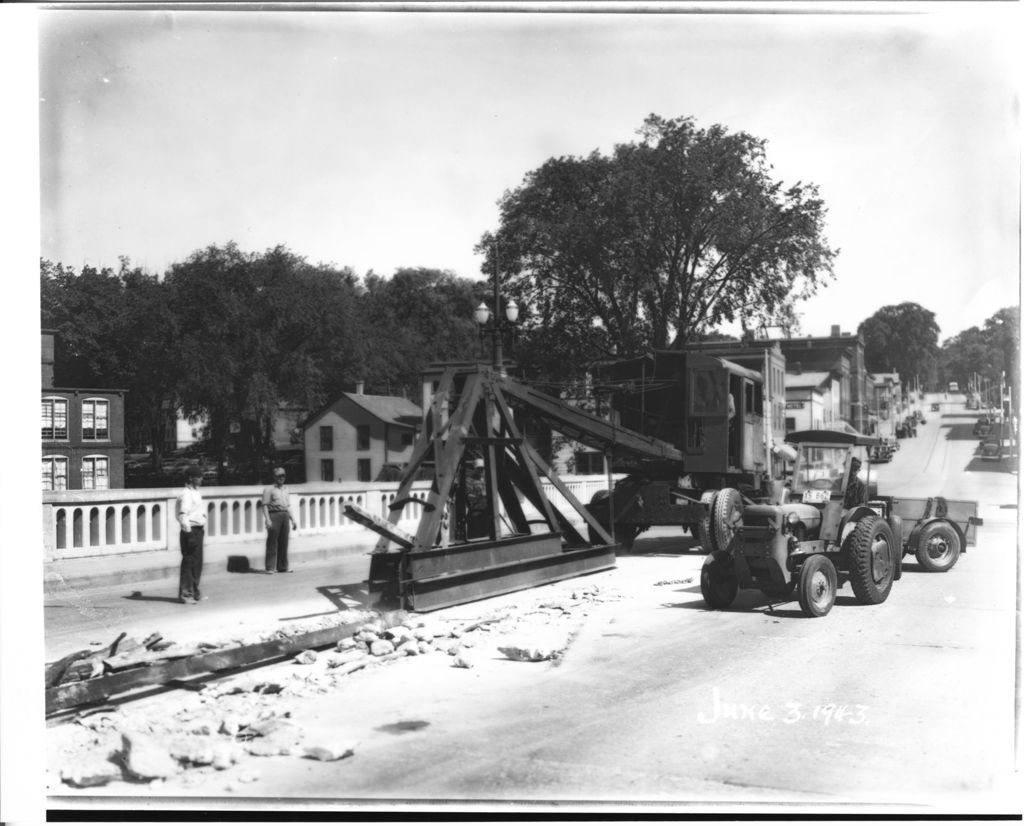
{"points": [[835, 331], [360, 385]]}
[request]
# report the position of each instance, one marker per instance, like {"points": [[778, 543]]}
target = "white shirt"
{"points": [[190, 510]]}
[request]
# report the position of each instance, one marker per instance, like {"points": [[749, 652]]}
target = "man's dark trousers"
{"points": [[277, 542], [191, 563]]}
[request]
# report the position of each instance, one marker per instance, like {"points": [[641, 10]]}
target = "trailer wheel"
{"points": [[938, 547], [870, 554], [818, 584], [727, 516], [718, 583], [704, 526]]}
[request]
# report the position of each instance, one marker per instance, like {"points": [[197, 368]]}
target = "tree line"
{"points": [[228, 335]]}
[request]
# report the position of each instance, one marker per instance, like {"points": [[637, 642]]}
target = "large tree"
{"points": [[903, 338], [257, 329], [660, 242], [115, 330], [417, 316], [984, 357]]}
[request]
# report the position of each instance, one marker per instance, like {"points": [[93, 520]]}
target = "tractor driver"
{"points": [[856, 490]]}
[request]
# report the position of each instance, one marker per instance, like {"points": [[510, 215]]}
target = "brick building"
{"points": [[82, 432]]}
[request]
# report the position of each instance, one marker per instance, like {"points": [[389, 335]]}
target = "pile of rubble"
{"points": [[228, 719]]}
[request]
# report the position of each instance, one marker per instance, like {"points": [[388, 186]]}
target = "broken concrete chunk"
{"points": [[463, 659], [410, 648], [399, 634], [530, 652], [350, 656], [306, 657], [347, 644], [144, 758], [331, 751], [424, 647], [368, 637], [381, 647], [90, 771]]}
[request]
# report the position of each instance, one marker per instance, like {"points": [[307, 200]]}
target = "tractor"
{"points": [[823, 529]]}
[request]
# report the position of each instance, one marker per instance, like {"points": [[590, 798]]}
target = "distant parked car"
{"points": [[983, 426], [936, 407], [992, 449]]}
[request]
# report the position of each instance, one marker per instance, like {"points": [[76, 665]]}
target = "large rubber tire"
{"points": [[818, 584], [704, 526], [896, 526], [779, 593], [871, 556], [718, 583], [938, 547], [727, 516]]}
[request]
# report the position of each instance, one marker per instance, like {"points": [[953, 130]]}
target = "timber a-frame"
{"points": [[470, 423]]}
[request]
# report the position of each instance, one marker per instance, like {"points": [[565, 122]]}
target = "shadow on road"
{"points": [[961, 432], [979, 465], [138, 596], [347, 596]]}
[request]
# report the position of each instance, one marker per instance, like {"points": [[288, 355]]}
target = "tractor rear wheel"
{"points": [[870, 555], [718, 583], [818, 584], [704, 526], [727, 516], [938, 547]]}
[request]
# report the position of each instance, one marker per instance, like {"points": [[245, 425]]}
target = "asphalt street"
{"points": [[904, 706]]}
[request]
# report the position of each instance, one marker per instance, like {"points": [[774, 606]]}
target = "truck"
{"points": [[712, 411], [826, 532]]}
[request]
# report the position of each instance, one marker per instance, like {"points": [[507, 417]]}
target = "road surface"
{"points": [[904, 706]]}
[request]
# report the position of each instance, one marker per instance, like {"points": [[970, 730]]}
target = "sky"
{"points": [[378, 140]]}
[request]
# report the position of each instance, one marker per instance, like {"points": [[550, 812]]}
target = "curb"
{"points": [[111, 571]]}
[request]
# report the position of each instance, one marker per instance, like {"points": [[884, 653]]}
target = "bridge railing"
{"points": [[102, 522]]}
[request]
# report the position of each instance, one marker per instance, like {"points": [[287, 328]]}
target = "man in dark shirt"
{"points": [[856, 490]]}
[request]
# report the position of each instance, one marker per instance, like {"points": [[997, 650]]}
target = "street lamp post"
{"points": [[493, 322]]}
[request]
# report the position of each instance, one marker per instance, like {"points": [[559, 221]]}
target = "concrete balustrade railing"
{"points": [[102, 522]]}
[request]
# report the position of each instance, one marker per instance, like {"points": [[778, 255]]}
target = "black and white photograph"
{"points": [[512, 409]]}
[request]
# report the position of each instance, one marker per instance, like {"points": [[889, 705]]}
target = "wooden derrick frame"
{"points": [[440, 564]]}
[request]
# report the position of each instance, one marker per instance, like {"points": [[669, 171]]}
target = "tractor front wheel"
{"points": [[938, 547], [818, 584], [870, 554], [718, 583]]}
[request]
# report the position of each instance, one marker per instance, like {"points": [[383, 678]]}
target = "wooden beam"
{"points": [[96, 690], [386, 529]]}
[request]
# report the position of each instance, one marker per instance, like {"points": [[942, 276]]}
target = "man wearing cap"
{"points": [[856, 490], [191, 514], [277, 516]]}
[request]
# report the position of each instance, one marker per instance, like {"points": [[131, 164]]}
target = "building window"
{"points": [[55, 473], [790, 424], [95, 473], [589, 462], [363, 438], [55, 418], [327, 470], [363, 470], [407, 439], [326, 437], [94, 420]]}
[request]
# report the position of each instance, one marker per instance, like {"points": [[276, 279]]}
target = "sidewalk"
{"points": [[145, 566]]}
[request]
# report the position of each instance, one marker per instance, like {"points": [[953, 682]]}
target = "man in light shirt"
{"points": [[191, 514], [277, 516]]}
